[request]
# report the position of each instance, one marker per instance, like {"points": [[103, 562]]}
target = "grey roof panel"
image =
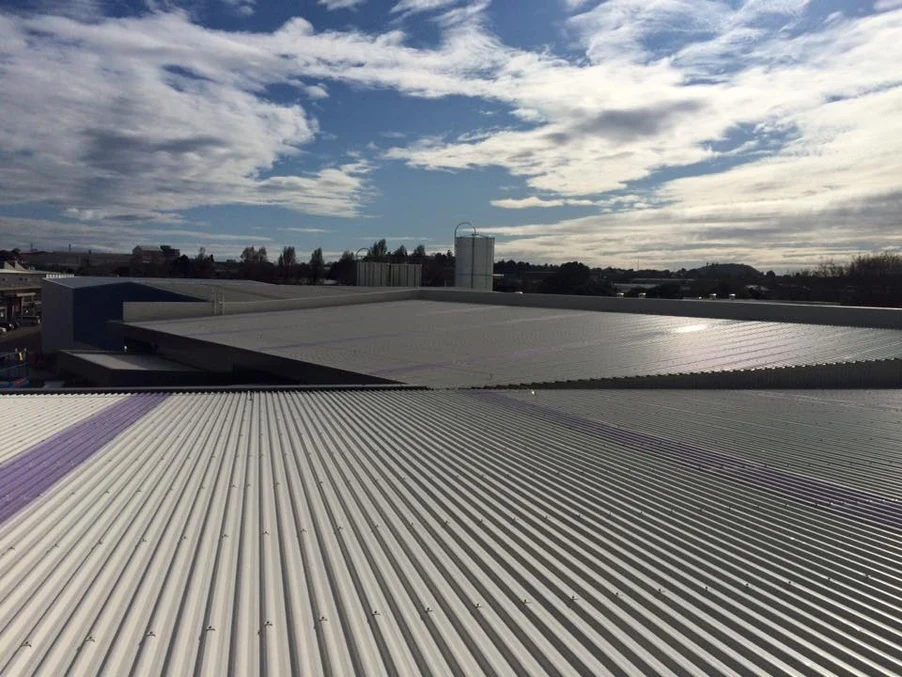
{"points": [[442, 344], [414, 533]]}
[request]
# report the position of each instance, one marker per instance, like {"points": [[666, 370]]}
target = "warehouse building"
{"points": [[248, 332], [481, 484], [80, 308]]}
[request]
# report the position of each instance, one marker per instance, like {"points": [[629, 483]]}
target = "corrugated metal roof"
{"points": [[393, 532], [441, 344], [29, 420]]}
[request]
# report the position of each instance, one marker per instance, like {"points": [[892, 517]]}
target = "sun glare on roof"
{"points": [[689, 328]]}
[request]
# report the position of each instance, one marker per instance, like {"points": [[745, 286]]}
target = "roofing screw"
{"points": [[150, 633], [210, 628], [375, 613], [26, 643]]}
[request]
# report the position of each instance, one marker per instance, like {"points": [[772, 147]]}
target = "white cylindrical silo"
{"points": [[474, 261]]}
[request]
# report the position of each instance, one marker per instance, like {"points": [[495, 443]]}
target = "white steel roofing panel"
{"points": [[442, 344], [403, 532], [27, 419]]}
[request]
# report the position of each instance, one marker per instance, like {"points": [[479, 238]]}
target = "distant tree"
{"points": [[136, 267], [419, 254], [249, 255], [875, 280], [438, 270], [287, 263], [317, 266], [255, 264], [829, 269], [202, 266], [571, 278], [378, 251], [181, 267], [668, 290], [344, 270], [400, 254]]}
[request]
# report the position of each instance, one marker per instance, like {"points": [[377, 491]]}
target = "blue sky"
{"points": [[654, 132]]}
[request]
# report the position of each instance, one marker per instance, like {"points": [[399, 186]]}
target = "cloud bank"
{"points": [[760, 131]]}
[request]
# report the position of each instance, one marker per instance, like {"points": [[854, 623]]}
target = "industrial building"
{"points": [[352, 481], [243, 332], [414, 532], [20, 291], [80, 308], [444, 344]]}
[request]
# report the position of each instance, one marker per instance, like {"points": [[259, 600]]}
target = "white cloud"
{"points": [[571, 5], [153, 115], [118, 237], [533, 201], [316, 92], [332, 5], [309, 231], [241, 7], [416, 6], [886, 5]]}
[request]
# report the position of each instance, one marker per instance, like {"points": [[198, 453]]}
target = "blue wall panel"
{"points": [[95, 306]]}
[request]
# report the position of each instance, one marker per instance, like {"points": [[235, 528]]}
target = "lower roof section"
{"points": [[111, 369], [445, 344], [465, 533]]}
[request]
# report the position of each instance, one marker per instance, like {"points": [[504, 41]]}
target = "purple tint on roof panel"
{"points": [[840, 500], [34, 471]]}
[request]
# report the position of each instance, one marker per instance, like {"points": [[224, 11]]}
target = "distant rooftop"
{"points": [[439, 344]]}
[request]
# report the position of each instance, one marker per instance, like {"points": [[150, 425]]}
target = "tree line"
{"points": [[867, 279]]}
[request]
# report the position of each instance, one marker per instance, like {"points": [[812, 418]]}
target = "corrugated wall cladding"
{"points": [[438, 344], [436, 533]]}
